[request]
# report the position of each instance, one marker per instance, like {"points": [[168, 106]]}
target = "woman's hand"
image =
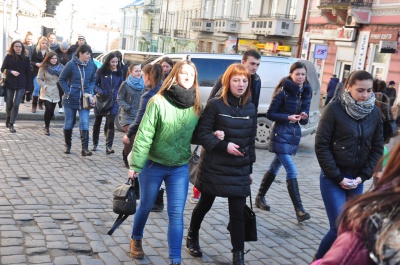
{"points": [[126, 139], [92, 101], [220, 135], [294, 118], [233, 149], [303, 115], [132, 174], [14, 73], [349, 184]]}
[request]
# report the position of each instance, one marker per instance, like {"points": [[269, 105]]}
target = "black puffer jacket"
{"points": [[220, 173], [343, 144]]}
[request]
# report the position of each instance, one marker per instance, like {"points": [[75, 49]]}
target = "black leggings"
{"points": [[236, 205], [110, 118], [49, 111]]}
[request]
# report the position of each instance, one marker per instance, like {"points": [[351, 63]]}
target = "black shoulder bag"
{"points": [[124, 203]]}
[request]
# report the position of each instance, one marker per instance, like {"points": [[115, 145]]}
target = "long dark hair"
{"points": [[14, 55], [382, 201], [46, 60], [154, 73], [105, 68], [293, 67]]}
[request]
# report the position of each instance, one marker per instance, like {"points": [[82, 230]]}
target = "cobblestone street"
{"points": [[57, 208]]}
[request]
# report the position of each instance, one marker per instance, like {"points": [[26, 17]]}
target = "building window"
{"points": [[380, 63], [269, 24], [253, 24], [285, 25]]}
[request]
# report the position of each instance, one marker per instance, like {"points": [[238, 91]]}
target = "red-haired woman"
{"points": [[226, 131]]}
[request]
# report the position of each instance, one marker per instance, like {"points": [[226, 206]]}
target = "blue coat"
{"points": [[70, 81], [284, 135], [332, 86], [104, 85]]}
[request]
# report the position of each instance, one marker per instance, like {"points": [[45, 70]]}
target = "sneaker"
{"points": [[194, 200], [61, 110]]}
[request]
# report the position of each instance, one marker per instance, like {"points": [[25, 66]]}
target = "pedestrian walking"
{"points": [[64, 56], [47, 78], [167, 65], [348, 145], [77, 77], [128, 100], [161, 152], [330, 91], [17, 69], [226, 131], [153, 79], [108, 80], [53, 43], [369, 224], [121, 64], [288, 110], [30, 46], [38, 55], [390, 91]]}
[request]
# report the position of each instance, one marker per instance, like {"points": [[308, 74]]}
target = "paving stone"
{"points": [[66, 260], [98, 246], [36, 251], [14, 259], [108, 258], [57, 245], [6, 242], [39, 259], [13, 250], [91, 262], [11, 234], [35, 243]]}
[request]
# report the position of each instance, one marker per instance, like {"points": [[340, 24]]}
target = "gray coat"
{"points": [[128, 100]]}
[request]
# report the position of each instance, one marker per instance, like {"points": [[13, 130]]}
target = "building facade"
{"points": [[353, 35]]}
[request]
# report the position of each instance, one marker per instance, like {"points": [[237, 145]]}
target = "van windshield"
{"points": [[209, 69]]}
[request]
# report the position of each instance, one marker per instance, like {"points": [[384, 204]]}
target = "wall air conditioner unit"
{"points": [[351, 22]]}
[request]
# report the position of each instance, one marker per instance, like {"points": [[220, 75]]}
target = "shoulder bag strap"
{"points": [[82, 80], [121, 218]]}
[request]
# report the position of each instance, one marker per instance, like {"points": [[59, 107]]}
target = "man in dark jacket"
{"points": [[331, 88], [390, 91], [251, 59]]}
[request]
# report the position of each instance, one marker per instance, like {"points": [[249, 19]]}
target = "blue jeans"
{"points": [[287, 162], [176, 180], [36, 87], [70, 114], [13, 99], [334, 197]]}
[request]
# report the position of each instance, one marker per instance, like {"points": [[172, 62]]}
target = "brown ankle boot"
{"points": [[136, 249]]}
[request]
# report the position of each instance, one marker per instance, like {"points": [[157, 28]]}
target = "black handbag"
{"points": [[250, 223], [104, 102], [3, 85], [193, 165], [124, 203]]}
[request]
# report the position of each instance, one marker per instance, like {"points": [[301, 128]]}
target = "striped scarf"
{"points": [[357, 110]]}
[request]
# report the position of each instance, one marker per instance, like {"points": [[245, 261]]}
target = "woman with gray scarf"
{"points": [[348, 145]]}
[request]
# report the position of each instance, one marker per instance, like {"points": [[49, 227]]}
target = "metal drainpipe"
{"points": [[303, 24]]}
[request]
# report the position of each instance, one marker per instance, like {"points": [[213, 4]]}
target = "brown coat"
{"points": [[48, 86]]}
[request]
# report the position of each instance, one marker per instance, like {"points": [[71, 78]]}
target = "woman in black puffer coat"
{"points": [[227, 131]]}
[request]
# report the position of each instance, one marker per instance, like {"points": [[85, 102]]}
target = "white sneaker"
{"points": [[61, 110], [194, 200]]}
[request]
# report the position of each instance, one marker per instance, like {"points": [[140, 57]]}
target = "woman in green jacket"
{"points": [[161, 152]]}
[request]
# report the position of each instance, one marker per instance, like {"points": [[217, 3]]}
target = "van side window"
{"points": [[209, 69]]}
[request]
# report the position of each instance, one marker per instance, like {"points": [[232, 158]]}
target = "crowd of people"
{"points": [[162, 115]]}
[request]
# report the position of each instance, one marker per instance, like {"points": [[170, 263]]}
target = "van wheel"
{"points": [[118, 121], [263, 125]]}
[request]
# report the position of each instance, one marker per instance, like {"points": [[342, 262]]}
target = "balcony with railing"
{"points": [[178, 33], [338, 10], [164, 32], [203, 24], [271, 15], [345, 3]]}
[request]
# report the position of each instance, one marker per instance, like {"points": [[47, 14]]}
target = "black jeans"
{"points": [[109, 121], [236, 205], [13, 99], [49, 112]]}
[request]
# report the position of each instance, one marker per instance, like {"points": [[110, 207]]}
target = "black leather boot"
{"points": [[192, 243], [8, 122], [125, 159], [67, 138], [159, 204], [40, 104], [95, 136], [264, 186], [46, 131], [85, 143], [293, 189], [109, 141], [238, 258], [34, 103]]}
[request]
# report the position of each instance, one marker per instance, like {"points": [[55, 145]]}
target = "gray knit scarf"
{"points": [[357, 110]]}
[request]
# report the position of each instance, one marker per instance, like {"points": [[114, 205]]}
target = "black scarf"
{"points": [[181, 97]]}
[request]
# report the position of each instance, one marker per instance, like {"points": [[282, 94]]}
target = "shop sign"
{"points": [[261, 46], [245, 45], [323, 34], [271, 46], [376, 37], [361, 50], [231, 45], [345, 34], [387, 46], [304, 47], [320, 51], [284, 48]]}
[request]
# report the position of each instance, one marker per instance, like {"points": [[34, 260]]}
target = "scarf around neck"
{"points": [[135, 83], [181, 97], [55, 69], [357, 110]]}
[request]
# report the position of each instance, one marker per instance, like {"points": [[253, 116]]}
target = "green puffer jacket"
{"points": [[164, 134]]}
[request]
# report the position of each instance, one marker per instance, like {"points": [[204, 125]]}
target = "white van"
{"points": [[271, 70]]}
